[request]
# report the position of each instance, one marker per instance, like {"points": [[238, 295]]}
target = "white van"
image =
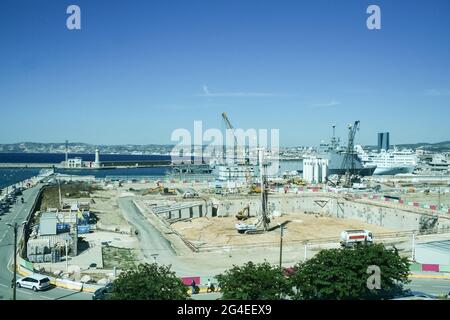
{"points": [[36, 282]]}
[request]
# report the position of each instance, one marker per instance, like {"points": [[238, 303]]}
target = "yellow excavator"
{"points": [[255, 189], [153, 190], [244, 214], [297, 181]]}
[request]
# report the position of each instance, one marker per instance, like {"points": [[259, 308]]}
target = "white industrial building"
{"points": [[315, 170], [75, 163]]}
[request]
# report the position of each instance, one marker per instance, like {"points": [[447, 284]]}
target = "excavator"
{"points": [[255, 189], [153, 190], [244, 214], [296, 181]]}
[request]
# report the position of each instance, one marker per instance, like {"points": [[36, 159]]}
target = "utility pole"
{"points": [[60, 197], [67, 257], [281, 243], [305, 251], [15, 227], [413, 249], [439, 199]]}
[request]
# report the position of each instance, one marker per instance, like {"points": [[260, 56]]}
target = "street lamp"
{"points": [[15, 227], [154, 256]]}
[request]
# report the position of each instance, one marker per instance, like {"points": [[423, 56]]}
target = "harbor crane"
{"points": [[349, 160]]}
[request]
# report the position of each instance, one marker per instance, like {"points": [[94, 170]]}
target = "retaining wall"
{"points": [[386, 215]]}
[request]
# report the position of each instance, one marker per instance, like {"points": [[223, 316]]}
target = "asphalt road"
{"points": [[19, 213], [153, 242], [430, 286]]}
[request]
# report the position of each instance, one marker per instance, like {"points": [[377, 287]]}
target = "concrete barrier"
{"points": [[203, 290], [188, 280], [430, 267], [90, 288], [427, 267], [69, 284]]}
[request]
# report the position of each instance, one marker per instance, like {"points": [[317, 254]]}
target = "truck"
{"points": [[349, 238]]}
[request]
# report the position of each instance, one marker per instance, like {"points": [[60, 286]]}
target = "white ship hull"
{"points": [[392, 170]]}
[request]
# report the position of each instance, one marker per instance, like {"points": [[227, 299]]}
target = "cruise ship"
{"points": [[389, 162]]}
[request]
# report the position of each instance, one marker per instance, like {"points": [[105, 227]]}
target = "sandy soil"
{"points": [[108, 211], [221, 230]]}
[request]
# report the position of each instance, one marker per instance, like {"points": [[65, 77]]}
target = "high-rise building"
{"points": [[383, 141]]}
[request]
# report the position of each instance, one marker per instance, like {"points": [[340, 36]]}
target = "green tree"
{"points": [[342, 273], [254, 282], [148, 282]]}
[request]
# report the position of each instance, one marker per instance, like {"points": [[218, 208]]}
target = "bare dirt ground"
{"points": [[221, 230], [108, 212], [76, 190]]}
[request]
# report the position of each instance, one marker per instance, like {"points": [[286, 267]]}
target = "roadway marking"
{"points": [[24, 292], [423, 276]]}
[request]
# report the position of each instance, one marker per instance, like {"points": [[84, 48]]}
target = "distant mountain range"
{"points": [[79, 147], [443, 146]]}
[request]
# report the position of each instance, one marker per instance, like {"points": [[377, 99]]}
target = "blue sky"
{"points": [[137, 70]]}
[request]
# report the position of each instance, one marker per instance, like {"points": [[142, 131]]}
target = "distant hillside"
{"points": [[79, 147], [443, 146]]}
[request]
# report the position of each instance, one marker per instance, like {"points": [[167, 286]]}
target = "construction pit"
{"points": [[221, 231]]}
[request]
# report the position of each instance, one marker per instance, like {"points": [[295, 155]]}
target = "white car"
{"points": [[36, 282]]}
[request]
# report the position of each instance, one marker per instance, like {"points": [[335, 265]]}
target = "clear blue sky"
{"points": [[139, 69]]}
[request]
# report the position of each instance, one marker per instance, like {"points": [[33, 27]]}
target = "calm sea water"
{"points": [[59, 157], [12, 176]]}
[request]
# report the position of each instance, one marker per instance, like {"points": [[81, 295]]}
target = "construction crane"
{"points": [[349, 160], [230, 127], [264, 191]]}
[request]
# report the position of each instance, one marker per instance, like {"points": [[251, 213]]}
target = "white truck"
{"points": [[351, 237]]}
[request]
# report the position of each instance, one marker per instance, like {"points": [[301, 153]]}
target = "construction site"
{"points": [[89, 229]]}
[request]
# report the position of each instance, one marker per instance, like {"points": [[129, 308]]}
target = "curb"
{"points": [[425, 276], [59, 283], [203, 290]]}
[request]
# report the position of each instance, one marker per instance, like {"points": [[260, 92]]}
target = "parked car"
{"points": [[36, 282], [102, 293], [416, 295]]}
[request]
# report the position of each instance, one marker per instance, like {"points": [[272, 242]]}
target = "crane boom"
{"points": [[349, 159], [229, 126]]}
